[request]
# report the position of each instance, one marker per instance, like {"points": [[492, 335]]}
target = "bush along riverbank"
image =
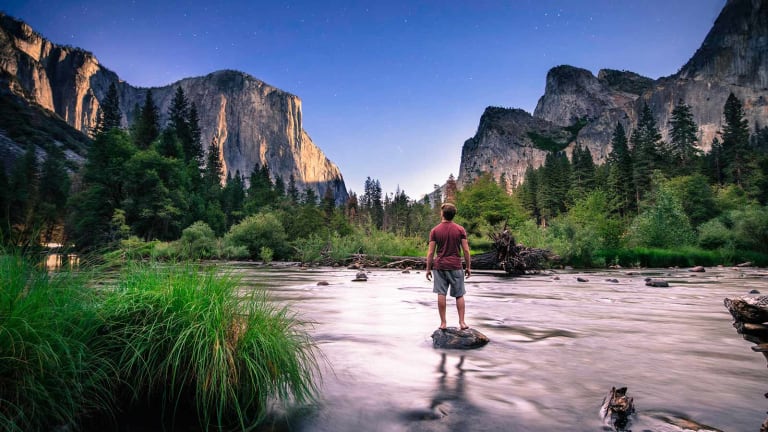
{"points": [[172, 341]]}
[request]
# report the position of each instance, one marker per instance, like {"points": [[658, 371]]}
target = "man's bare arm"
{"points": [[430, 255], [467, 259]]}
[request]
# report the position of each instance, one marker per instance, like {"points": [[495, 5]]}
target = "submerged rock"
{"points": [[697, 269], [659, 283], [360, 277], [455, 338]]}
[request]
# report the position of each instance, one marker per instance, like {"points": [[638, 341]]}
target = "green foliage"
{"points": [[586, 228], [266, 254], [484, 204], [663, 224], [257, 231], [198, 241], [50, 372], [155, 201], [682, 148], [715, 235], [696, 197], [547, 143], [191, 339], [659, 258]]}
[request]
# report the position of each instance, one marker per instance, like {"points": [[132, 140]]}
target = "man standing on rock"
{"points": [[446, 239]]}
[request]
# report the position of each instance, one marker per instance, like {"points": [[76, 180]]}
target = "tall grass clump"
{"points": [[49, 374], [188, 339]]}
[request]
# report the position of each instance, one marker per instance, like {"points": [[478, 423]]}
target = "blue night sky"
{"points": [[390, 89]]}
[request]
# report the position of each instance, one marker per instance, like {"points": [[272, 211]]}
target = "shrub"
{"points": [[257, 231], [662, 225], [192, 340], [198, 241], [714, 234], [266, 254]]}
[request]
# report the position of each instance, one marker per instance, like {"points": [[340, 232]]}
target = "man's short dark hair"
{"points": [[449, 211]]}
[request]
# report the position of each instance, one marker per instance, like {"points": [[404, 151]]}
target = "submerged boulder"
{"points": [[455, 338]]}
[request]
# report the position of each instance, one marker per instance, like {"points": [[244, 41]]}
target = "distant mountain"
{"points": [[578, 107], [255, 124]]}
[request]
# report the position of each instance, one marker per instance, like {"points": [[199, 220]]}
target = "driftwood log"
{"points": [[750, 318], [506, 255]]}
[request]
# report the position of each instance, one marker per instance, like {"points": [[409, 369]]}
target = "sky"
{"points": [[390, 89]]}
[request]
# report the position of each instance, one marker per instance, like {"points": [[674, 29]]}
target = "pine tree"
{"points": [[528, 192], [582, 173], [24, 184], [102, 192], [53, 192], [195, 134], [213, 172], [620, 180], [293, 191], [180, 120], [646, 152], [109, 115], [682, 144], [147, 127], [735, 141]]}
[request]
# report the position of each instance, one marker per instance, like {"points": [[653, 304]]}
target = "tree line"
{"points": [[153, 181]]}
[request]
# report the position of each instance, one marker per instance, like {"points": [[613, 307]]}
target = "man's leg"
{"points": [[441, 309], [460, 307]]}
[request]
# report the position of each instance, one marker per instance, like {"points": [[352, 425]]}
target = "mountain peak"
{"points": [[736, 48]]}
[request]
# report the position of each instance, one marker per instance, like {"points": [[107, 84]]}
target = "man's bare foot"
{"points": [[443, 326], [464, 326]]}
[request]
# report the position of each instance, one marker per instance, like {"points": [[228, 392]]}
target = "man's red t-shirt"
{"points": [[448, 237]]}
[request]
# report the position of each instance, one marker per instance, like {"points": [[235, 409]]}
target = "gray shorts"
{"points": [[444, 278]]}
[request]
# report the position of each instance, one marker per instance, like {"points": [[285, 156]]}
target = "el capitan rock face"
{"points": [[732, 58], [256, 124]]}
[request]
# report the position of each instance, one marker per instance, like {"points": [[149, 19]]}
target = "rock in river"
{"points": [[454, 338]]}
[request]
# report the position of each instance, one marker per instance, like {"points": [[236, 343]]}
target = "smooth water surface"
{"points": [[557, 347]]}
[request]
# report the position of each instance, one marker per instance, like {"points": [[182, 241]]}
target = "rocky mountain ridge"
{"points": [[732, 58], [254, 124]]}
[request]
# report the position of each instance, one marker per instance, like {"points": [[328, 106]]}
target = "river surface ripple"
{"points": [[557, 347]]}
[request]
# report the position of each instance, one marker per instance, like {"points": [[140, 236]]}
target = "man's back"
{"points": [[448, 236]]}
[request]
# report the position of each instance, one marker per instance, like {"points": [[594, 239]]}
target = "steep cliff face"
{"points": [[254, 123], [506, 142], [732, 58]]}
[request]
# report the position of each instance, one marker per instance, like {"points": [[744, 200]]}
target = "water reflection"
{"points": [[59, 261]]}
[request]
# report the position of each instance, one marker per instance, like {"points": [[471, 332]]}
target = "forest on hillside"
{"points": [[153, 190]]}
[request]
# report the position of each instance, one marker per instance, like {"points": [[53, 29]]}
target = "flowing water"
{"points": [[557, 347]]}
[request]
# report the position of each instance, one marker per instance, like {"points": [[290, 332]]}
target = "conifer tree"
{"points": [[147, 126], [195, 135], [620, 179], [293, 191], [109, 115], [528, 192], [24, 193], [582, 173], [213, 172], [646, 149], [53, 192], [682, 139], [735, 141]]}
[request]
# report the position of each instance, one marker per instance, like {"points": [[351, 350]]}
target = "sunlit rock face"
{"points": [[254, 124], [732, 58]]}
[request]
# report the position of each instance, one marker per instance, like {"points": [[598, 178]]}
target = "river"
{"points": [[557, 347]]}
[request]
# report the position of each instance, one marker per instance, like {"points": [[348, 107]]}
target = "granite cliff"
{"points": [[579, 107], [254, 123]]}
